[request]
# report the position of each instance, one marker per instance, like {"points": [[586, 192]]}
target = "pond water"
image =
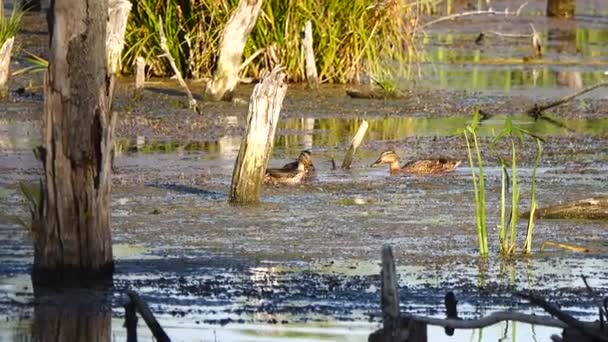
{"points": [[303, 265]]}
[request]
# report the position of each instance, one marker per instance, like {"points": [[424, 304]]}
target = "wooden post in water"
{"points": [[309, 56], [232, 43], [71, 234], [256, 146], [354, 145], [118, 13], [5, 62], [390, 295], [140, 74], [561, 8]]}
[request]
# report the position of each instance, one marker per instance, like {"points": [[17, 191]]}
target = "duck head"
{"points": [[389, 157], [305, 160]]}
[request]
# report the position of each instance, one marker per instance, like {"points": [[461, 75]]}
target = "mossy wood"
{"points": [[232, 44], [72, 236], [588, 208], [263, 116]]}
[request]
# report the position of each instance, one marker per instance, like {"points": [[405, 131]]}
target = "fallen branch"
{"points": [[572, 322], [166, 53], [468, 14], [569, 247], [143, 309], [536, 111], [588, 208], [496, 317]]}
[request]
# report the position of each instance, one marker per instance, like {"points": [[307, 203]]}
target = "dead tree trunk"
{"points": [[264, 110], [561, 8], [309, 56], [234, 37], [72, 238], [354, 145], [5, 61], [115, 37]]}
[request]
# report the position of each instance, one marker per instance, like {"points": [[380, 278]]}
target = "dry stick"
{"points": [[571, 248], [601, 310], [487, 321], [143, 309], [354, 145], [309, 55], [536, 111], [251, 58], [163, 45], [562, 316]]}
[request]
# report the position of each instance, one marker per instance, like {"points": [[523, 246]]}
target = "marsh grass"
{"points": [[9, 26], [36, 64], [352, 38], [507, 231]]}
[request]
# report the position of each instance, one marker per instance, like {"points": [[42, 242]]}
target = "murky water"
{"points": [[303, 265]]}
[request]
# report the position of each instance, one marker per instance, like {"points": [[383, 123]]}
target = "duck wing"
{"points": [[431, 166]]}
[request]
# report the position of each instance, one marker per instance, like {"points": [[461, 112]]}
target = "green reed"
{"points": [[9, 26], [352, 38]]}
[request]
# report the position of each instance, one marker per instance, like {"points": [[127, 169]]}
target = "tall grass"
{"points": [[351, 37], [9, 26], [507, 236]]}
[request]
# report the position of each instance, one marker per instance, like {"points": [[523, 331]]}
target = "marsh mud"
{"points": [[303, 265]]}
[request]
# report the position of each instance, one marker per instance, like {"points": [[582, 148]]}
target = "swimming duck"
{"points": [[420, 167], [291, 173]]}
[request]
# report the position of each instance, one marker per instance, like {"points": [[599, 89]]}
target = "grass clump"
{"points": [[9, 26], [507, 229], [351, 37]]}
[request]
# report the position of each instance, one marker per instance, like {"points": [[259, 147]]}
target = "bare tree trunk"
{"points": [[234, 37], [115, 34], [264, 110], [309, 56], [561, 8], [5, 61], [72, 238]]}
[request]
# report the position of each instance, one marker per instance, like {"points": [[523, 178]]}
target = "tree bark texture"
{"points": [[232, 44], [72, 238], [561, 8], [5, 61], [256, 147]]}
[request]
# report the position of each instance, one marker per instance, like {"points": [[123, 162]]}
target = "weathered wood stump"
{"points": [[232, 43], [140, 74], [118, 13], [561, 8], [309, 56], [72, 238], [588, 208], [354, 145], [5, 62], [256, 146]]}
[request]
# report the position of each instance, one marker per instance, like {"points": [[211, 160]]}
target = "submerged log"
{"points": [[588, 208], [256, 146], [354, 145], [309, 56], [561, 8], [5, 62], [376, 94], [115, 32], [232, 44], [72, 239]]}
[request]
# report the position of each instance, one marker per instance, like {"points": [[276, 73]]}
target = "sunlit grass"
{"points": [[9, 26]]}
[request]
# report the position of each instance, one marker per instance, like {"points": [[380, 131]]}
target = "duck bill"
{"points": [[377, 162]]}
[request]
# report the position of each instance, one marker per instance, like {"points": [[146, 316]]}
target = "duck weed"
{"points": [[507, 230], [351, 37]]}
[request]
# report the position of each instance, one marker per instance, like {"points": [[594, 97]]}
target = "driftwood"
{"points": [[241, 22], [400, 326], [536, 111], [118, 13], [309, 55], [5, 61], [145, 312], [256, 146], [192, 104], [354, 145], [588, 208]]}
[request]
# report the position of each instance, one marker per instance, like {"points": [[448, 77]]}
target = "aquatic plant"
{"points": [[345, 34], [9, 26], [507, 236], [37, 64]]}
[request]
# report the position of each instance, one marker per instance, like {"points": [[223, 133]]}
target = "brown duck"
{"points": [[291, 173], [420, 167]]}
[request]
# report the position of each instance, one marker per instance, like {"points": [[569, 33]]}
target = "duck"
{"points": [[419, 167], [291, 173]]}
